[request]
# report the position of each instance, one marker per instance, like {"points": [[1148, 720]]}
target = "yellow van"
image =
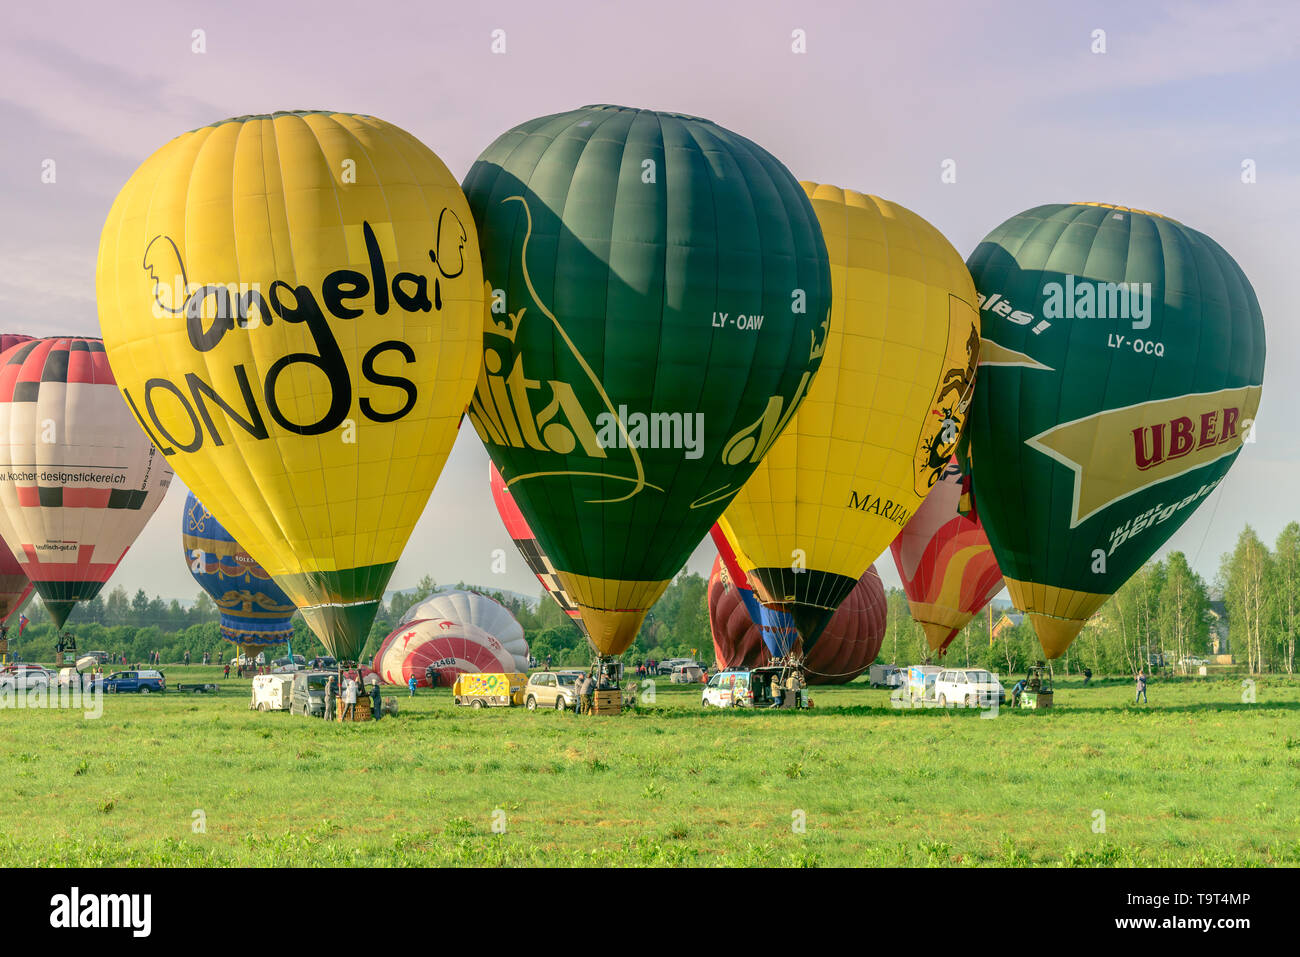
{"points": [[489, 689]]}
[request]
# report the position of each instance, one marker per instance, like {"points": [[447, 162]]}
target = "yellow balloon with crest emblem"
{"points": [[880, 421]]}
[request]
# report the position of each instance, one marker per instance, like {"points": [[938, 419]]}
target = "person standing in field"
{"points": [[1087, 676], [1141, 687], [349, 700], [411, 683], [376, 705], [330, 695]]}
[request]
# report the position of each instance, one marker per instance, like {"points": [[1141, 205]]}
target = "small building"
{"points": [[1010, 619]]}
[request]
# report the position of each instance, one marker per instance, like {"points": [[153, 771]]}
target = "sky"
{"points": [[1012, 93]]}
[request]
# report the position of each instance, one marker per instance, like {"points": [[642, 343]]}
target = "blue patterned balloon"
{"points": [[255, 612]]}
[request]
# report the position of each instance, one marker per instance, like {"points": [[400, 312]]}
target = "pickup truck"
{"points": [[138, 682]]}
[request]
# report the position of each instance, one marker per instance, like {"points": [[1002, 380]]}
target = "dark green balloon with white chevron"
{"points": [[1120, 373], [658, 294]]}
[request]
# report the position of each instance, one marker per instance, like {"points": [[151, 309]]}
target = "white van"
{"points": [[968, 687], [687, 675], [272, 692]]}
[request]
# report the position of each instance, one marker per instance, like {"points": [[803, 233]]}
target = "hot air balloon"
{"points": [[293, 305], [450, 646], [846, 648], [524, 539], [946, 563], [15, 586], [881, 421], [470, 608], [78, 480], [1124, 360], [255, 612], [776, 629], [658, 308]]}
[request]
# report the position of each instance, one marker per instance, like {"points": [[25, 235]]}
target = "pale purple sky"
{"points": [[1163, 120]]}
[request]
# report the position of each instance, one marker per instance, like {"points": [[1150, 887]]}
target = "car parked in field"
{"points": [[669, 665], [25, 677], [290, 661], [552, 689], [308, 695], [741, 688], [135, 682], [687, 674], [970, 687], [733, 688]]}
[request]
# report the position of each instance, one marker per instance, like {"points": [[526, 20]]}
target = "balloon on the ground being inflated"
{"points": [[531, 550], [454, 632], [293, 306], [847, 647], [255, 612], [78, 479], [658, 299], [945, 562], [1121, 373], [881, 420]]}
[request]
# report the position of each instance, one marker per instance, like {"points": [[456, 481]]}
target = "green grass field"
{"points": [[1196, 778]]}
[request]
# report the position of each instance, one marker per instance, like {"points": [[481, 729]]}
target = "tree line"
{"points": [[1165, 608]]}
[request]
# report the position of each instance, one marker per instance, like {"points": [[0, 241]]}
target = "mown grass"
{"points": [[1196, 778]]}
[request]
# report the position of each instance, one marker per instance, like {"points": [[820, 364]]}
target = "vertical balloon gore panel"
{"points": [[78, 479], [881, 420], [293, 304], [1120, 377], [658, 297]]}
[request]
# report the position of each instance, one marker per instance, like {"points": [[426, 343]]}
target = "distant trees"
{"points": [[1164, 607]]}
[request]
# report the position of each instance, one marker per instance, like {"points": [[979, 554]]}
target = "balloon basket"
{"points": [[361, 711], [607, 702]]}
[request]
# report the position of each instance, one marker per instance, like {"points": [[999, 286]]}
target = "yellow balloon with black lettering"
{"points": [[293, 307], [880, 421]]}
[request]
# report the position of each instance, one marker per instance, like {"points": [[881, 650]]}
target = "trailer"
{"points": [[489, 689], [885, 676], [272, 692]]}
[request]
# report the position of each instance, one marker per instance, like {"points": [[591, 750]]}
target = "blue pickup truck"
{"points": [[139, 682]]}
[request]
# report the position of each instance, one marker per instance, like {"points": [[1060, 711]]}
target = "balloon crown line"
{"points": [[614, 107], [249, 117], [1127, 209]]}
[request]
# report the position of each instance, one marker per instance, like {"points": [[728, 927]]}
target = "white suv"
{"points": [[969, 687]]}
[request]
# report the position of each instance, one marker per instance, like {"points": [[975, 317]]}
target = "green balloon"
{"points": [[659, 293], [1120, 372]]}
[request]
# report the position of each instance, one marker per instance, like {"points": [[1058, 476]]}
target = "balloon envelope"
{"points": [[946, 563], [847, 647], [1123, 359], [311, 408], [470, 608], [451, 647], [881, 420], [78, 479], [524, 539], [255, 611], [660, 292]]}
